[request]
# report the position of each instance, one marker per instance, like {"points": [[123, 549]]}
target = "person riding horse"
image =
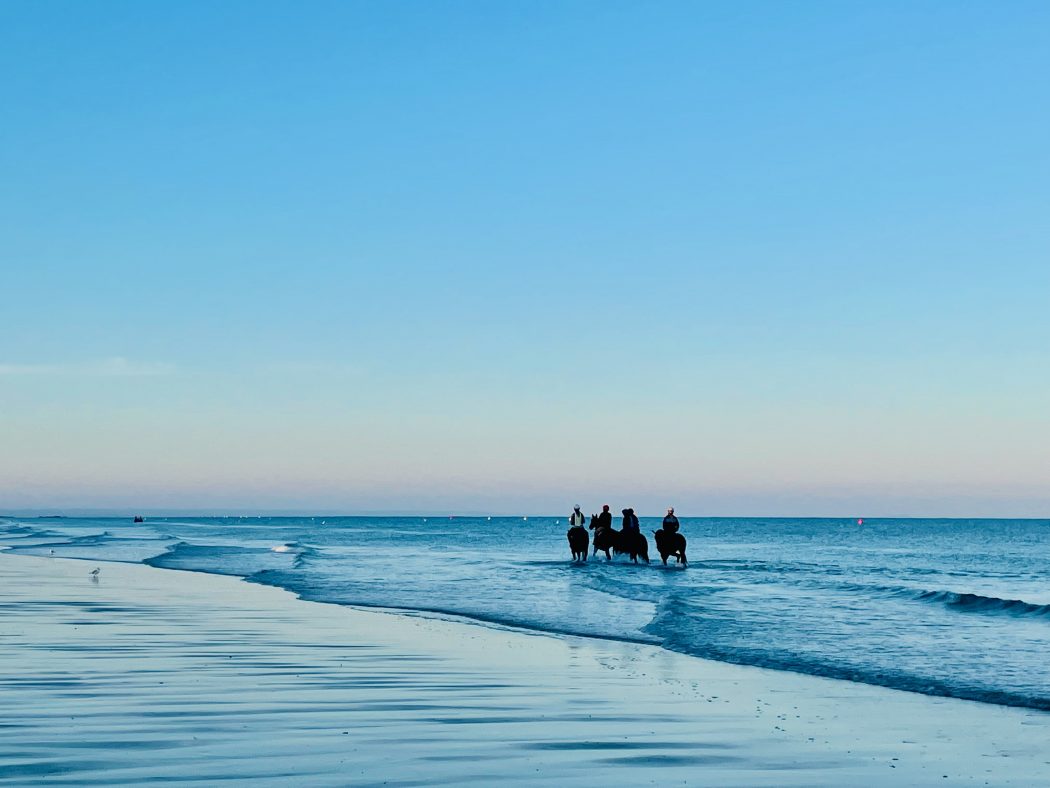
{"points": [[668, 541], [601, 524], [630, 540], [577, 535]]}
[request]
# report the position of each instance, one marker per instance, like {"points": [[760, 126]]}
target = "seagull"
{"points": [[94, 572], [51, 552]]}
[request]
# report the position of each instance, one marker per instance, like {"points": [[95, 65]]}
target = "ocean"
{"points": [[957, 608]]}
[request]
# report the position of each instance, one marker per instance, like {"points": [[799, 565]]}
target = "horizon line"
{"points": [[107, 512]]}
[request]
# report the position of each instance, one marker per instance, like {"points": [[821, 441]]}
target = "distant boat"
{"points": [[139, 518]]}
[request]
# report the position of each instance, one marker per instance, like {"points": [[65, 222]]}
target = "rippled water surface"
{"points": [[945, 607]]}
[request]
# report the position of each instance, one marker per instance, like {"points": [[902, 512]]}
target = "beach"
{"points": [[146, 675], [525, 393]]}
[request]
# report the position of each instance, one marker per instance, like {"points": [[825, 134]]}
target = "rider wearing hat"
{"points": [[576, 518]]}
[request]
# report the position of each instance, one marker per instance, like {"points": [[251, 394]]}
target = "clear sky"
{"points": [[744, 258]]}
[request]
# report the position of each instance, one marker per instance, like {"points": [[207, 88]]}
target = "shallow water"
{"points": [[943, 607]]}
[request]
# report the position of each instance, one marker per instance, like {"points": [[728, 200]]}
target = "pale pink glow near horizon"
{"points": [[776, 469]]}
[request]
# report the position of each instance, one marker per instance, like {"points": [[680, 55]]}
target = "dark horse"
{"points": [[578, 541], [670, 543], [631, 543]]}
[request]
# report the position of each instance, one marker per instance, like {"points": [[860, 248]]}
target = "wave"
{"points": [[225, 559], [958, 601], [9, 528], [28, 535], [923, 685], [63, 540], [978, 603], [673, 638], [279, 579], [86, 540], [661, 632], [103, 546]]}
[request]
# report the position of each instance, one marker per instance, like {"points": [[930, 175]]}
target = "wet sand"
{"points": [[148, 675]]}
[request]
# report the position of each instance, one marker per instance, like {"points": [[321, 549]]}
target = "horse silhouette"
{"points": [[670, 543], [609, 540], [578, 542]]}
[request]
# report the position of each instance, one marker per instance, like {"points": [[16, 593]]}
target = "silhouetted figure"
{"points": [[671, 522], [668, 541], [609, 540], [630, 521], [603, 520], [629, 541], [577, 535], [603, 523]]}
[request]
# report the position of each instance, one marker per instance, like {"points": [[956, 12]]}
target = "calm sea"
{"points": [[943, 607]]}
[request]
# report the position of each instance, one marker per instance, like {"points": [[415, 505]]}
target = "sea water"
{"points": [[944, 607]]}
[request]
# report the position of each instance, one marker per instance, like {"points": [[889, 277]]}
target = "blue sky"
{"points": [[745, 258]]}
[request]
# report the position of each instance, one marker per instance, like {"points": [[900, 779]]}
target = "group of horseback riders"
{"points": [[628, 540]]}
